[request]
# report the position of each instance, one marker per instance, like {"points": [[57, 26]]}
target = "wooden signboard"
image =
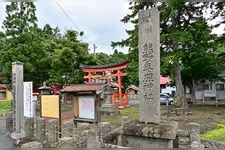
{"points": [[50, 106]]}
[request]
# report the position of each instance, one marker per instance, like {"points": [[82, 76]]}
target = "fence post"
{"points": [[29, 127], [40, 129], [67, 128], [91, 140], [9, 123], [194, 135], [124, 120], [102, 129], [81, 128], [65, 142], [52, 130]]}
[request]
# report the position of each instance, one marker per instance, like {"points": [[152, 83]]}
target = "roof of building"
{"points": [[104, 66], [133, 87], [83, 88], [3, 86], [164, 80]]}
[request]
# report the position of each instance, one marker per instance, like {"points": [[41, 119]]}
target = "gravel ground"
{"points": [[5, 141]]}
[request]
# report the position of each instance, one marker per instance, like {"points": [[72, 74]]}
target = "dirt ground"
{"points": [[207, 116]]}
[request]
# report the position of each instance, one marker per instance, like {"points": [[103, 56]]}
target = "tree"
{"points": [[176, 18], [66, 58], [20, 42]]}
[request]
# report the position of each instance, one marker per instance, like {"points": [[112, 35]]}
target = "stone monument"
{"points": [[149, 131], [18, 104], [149, 66]]}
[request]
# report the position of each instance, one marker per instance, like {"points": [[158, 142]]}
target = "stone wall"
{"points": [[46, 134], [212, 144]]}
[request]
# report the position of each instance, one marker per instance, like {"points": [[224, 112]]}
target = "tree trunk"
{"points": [[193, 89], [179, 98]]}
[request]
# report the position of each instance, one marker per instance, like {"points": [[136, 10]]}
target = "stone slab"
{"points": [[144, 142], [33, 144], [17, 136], [164, 130]]}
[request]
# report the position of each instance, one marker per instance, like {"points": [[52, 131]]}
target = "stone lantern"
{"points": [[45, 90]]}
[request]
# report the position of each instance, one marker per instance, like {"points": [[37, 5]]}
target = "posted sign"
{"points": [[28, 99], [50, 106], [86, 107]]}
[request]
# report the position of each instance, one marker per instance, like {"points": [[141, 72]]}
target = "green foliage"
{"points": [[217, 135], [46, 54], [5, 106], [66, 57], [20, 42]]}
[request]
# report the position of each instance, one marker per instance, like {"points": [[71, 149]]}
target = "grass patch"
{"points": [[5, 106], [218, 134], [131, 112], [4, 111]]}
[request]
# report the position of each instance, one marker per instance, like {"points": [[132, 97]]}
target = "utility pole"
{"points": [[94, 49]]}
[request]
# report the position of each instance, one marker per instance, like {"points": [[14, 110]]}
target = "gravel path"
{"points": [[5, 141]]}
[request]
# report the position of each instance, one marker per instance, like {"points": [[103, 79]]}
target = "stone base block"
{"points": [[109, 109], [139, 135], [66, 142], [17, 136], [33, 144]]}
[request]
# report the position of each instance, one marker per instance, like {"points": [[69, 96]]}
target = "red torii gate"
{"points": [[92, 70]]}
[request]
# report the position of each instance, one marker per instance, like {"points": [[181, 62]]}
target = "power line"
{"points": [[71, 20]]}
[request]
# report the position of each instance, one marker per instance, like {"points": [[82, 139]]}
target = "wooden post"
{"points": [[120, 90], [89, 77]]}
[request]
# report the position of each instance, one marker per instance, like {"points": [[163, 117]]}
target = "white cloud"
{"points": [[99, 19]]}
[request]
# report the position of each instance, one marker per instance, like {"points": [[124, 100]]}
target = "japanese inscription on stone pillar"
{"points": [[149, 66], [17, 86]]}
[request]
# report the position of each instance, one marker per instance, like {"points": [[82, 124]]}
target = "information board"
{"points": [[86, 107], [28, 99], [50, 106]]}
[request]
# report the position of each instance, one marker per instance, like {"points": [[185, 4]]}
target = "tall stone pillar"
{"points": [[18, 104], [149, 131], [149, 66]]}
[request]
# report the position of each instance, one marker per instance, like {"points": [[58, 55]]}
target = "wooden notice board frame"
{"points": [[50, 107]]}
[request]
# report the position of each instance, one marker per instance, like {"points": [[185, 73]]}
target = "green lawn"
{"points": [[4, 111], [131, 112], [5, 106]]}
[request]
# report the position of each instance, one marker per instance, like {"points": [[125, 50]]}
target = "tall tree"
{"points": [[66, 58], [20, 43], [175, 19]]}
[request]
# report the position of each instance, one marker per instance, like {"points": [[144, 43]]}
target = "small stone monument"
{"points": [[149, 131]]}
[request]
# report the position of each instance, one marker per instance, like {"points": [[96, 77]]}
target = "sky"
{"points": [[98, 19]]}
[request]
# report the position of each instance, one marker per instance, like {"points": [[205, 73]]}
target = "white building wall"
{"points": [[220, 95], [199, 93]]}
